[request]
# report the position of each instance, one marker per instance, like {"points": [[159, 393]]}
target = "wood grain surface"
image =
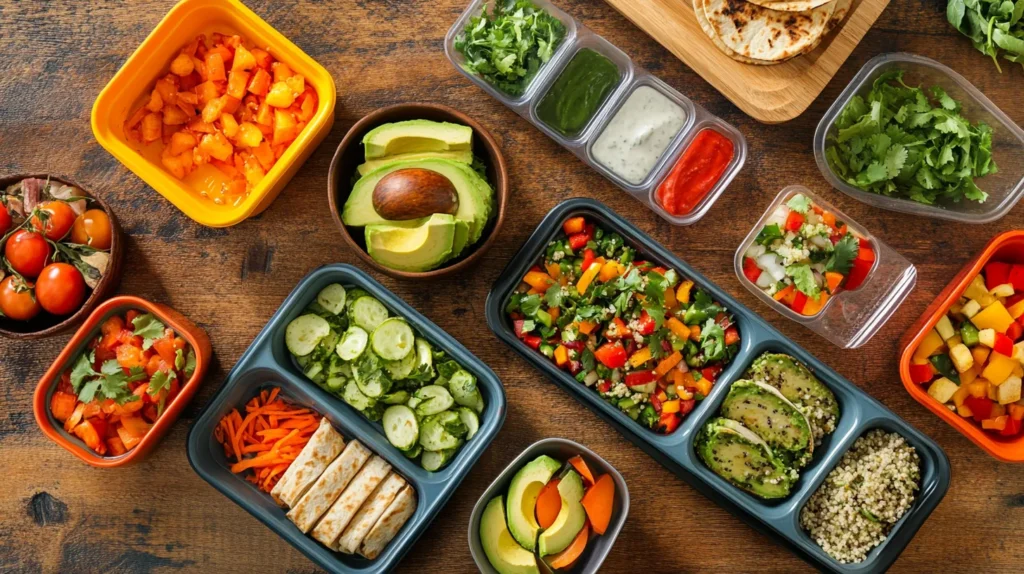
{"points": [[771, 94], [58, 515]]}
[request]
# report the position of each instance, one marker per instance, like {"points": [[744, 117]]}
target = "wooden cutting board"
{"points": [[769, 94]]}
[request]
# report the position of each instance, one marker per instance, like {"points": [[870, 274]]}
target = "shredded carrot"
{"points": [[269, 437]]}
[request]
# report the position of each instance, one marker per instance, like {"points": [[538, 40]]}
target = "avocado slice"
{"points": [[415, 136], [522, 499], [419, 248], [570, 520], [801, 387], [461, 238], [462, 156], [501, 549], [735, 453], [476, 197], [766, 412]]}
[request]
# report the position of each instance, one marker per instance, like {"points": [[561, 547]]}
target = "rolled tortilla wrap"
{"points": [[390, 523], [322, 448], [338, 517], [368, 514], [329, 486]]}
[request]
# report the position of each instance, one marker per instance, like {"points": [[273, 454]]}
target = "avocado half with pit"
{"points": [[735, 453], [570, 520], [772, 417], [801, 387], [503, 552], [522, 499]]}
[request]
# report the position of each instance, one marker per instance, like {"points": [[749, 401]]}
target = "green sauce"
{"points": [[578, 92]]}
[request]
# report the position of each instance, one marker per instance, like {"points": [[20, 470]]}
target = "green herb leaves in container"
{"points": [[901, 141], [508, 46], [996, 27]]}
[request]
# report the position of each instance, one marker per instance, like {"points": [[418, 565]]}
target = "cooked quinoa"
{"points": [[873, 486]]}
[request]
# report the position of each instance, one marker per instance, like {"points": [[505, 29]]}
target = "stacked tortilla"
{"points": [[766, 32], [345, 494]]}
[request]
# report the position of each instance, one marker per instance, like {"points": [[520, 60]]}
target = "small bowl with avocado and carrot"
{"points": [[418, 190]]}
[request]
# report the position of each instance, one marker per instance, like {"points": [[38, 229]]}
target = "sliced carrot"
{"points": [[581, 467], [549, 503], [566, 557], [598, 502]]}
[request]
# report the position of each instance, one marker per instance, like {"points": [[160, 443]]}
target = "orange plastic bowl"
{"points": [[52, 428], [152, 59], [1008, 247]]}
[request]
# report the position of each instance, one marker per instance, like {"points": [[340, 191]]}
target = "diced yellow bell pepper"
{"points": [[992, 392], [640, 357], [1017, 309], [1017, 371], [964, 411], [610, 270], [998, 410], [704, 386], [561, 355], [977, 288], [670, 406], [967, 377], [1015, 411], [678, 328], [954, 341], [998, 368], [683, 292], [980, 354], [588, 278], [931, 345], [997, 423], [587, 327], [538, 280], [978, 389], [995, 316], [961, 393]]}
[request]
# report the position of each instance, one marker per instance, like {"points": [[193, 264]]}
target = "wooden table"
{"points": [[56, 514]]}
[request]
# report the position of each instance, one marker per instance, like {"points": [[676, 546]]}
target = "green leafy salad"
{"points": [[996, 27], [508, 47], [349, 345], [903, 142]]}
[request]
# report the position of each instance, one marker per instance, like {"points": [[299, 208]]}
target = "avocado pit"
{"points": [[414, 193]]}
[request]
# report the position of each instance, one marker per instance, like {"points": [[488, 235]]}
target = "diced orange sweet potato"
{"points": [[152, 127], [206, 92], [174, 116], [252, 170], [244, 60], [188, 99], [297, 84], [189, 82], [234, 41], [285, 127], [198, 125], [181, 142], [308, 106], [231, 104], [166, 89], [264, 115], [174, 164], [229, 125], [226, 53], [249, 135], [237, 81], [228, 169], [156, 103], [213, 110], [216, 146], [281, 71], [215, 67], [260, 82], [182, 65], [281, 95], [263, 59], [264, 155]]}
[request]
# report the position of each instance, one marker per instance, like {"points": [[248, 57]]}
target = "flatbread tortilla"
{"points": [[369, 513], [702, 19], [329, 486], [323, 447], [339, 515], [390, 523], [790, 5], [764, 34]]}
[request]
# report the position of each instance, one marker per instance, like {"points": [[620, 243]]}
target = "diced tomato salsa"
{"points": [[115, 391]]}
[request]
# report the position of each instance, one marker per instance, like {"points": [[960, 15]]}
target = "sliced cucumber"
{"points": [[304, 333], [356, 398], [424, 356], [325, 348], [313, 370], [335, 384], [332, 298], [452, 423], [375, 385], [393, 340], [352, 344], [375, 412], [434, 460], [462, 385], [368, 313], [473, 400], [433, 435], [400, 370], [433, 399], [303, 361], [395, 398], [413, 452], [472, 422], [413, 402], [353, 295], [401, 427]]}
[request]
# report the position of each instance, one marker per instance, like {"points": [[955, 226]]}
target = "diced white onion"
{"points": [[821, 242], [755, 251], [590, 379], [764, 280], [770, 262]]}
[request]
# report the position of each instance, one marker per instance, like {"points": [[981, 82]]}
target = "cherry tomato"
{"points": [[60, 288], [92, 228], [27, 252], [16, 300], [56, 221], [5, 219]]}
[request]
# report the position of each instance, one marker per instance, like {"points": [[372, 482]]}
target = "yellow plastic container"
{"points": [[151, 61]]}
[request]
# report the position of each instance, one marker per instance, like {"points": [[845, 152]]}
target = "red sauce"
{"points": [[696, 173]]}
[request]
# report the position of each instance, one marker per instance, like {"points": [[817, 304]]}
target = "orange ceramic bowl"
{"points": [[52, 428], [152, 59], [1008, 247]]}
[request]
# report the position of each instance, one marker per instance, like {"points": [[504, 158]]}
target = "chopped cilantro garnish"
{"points": [[843, 254], [803, 279], [768, 234], [149, 328], [799, 203]]}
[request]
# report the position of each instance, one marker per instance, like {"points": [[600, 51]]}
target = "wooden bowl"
{"points": [[45, 324], [350, 155]]}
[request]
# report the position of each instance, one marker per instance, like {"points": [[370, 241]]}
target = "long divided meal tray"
{"points": [[267, 363], [778, 519]]}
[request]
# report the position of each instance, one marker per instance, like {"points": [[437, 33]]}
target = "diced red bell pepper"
{"points": [[517, 327], [574, 225], [996, 273], [645, 324], [89, 433], [1012, 427], [981, 407], [659, 270], [723, 320], [604, 386], [638, 378], [794, 220], [858, 273], [611, 355], [686, 406], [656, 403], [668, 423], [1003, 345], [711, 373], [799, 302], [921, 373], [750, 269], [1017, 277], [533, 341], [588, 258], [1014, 331], [642, 265], [732, 336], [578, 240]]}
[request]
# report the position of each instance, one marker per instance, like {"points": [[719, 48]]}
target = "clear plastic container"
{"points": [[850, 318], [633, 76], [1004, 187]]}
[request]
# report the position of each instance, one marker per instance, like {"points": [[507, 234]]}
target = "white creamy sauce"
{"points": [[636, 138]]}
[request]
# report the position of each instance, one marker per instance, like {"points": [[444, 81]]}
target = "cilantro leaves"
{"points": [[712, 341], [803, 279], [509, 46], [799, 203], [768, 234], [149, 328], [110, 383], [845, 251], [902, 143]]}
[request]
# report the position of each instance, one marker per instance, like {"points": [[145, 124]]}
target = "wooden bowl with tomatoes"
{"points": [[58, 258]]}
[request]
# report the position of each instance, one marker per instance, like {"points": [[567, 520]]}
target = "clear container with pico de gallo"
{"points": [[812, 263], [646, 137]]}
